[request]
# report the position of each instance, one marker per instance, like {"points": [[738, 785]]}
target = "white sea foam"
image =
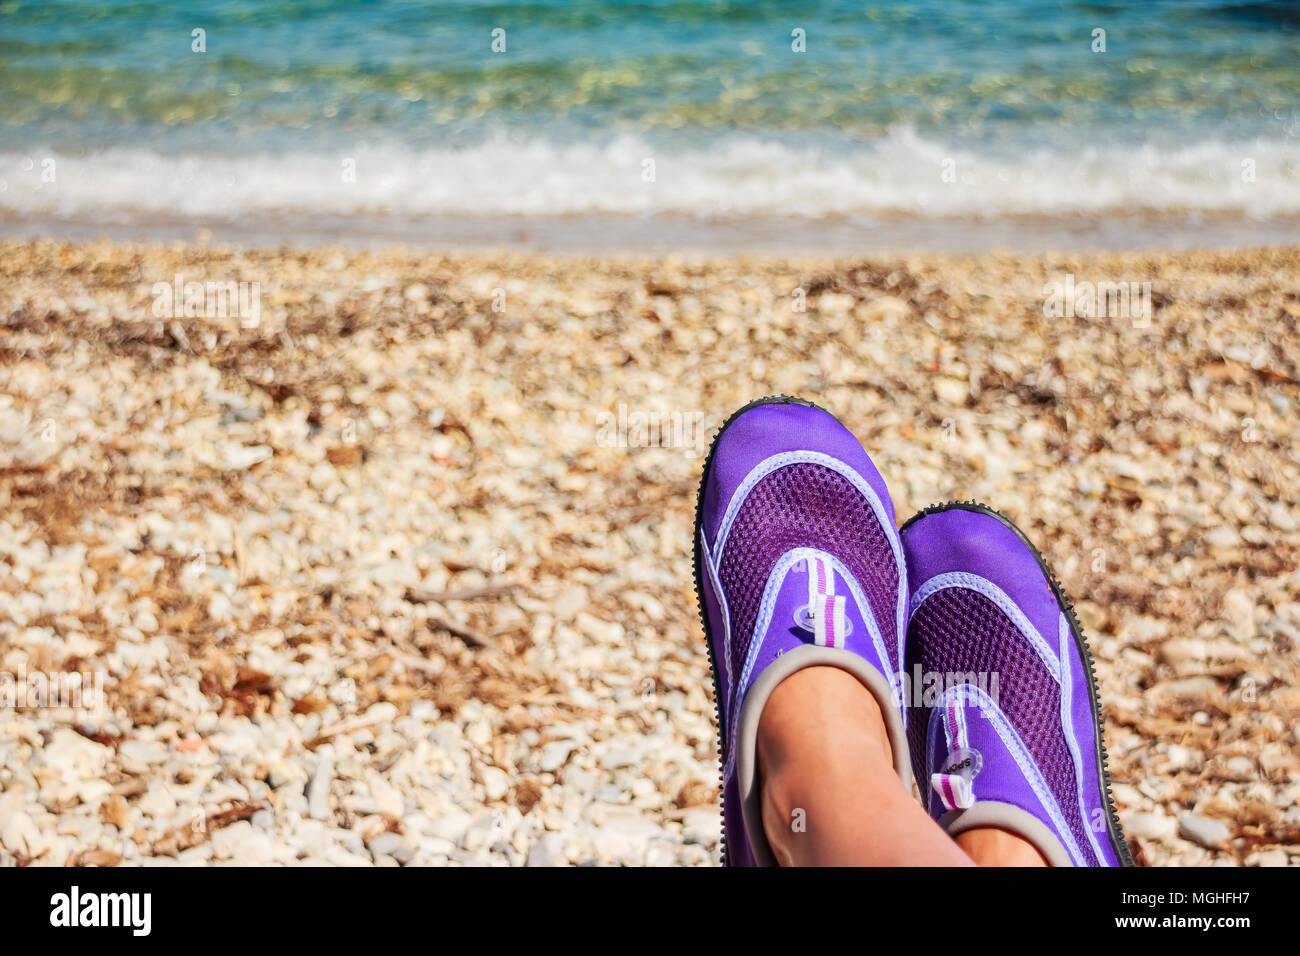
{"points": [[901, 174]]}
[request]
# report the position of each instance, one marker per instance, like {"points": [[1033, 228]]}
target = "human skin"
{"points": [[831, 797]]}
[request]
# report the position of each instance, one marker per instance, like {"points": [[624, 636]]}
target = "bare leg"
{"points": [[989, 846], [830, 793]]}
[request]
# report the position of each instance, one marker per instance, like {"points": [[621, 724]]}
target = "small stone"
{"points": [[20, 836], [951, 391], [1274, 857], [240, 458], [1207, 832], [496, 782], [569, 603], [834, 302], [395, 574], [392, 844], [1182, 650], [284, 772], [1239, 612], [602, 632], [103, 858], [436, 847], [619, 757], [490, 829], [318, 794], [451, 826], [548, 851], [1149, 826], [1187, 688], [1180, 757], [702, 826], [621, 836], [1241, 768], [158, 801], [887, 307], [554, 755], [1223, 538], [1127, 795]]}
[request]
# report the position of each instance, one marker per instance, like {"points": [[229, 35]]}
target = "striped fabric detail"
{"points": [[955, 784], [955, 791], [825, 607]]}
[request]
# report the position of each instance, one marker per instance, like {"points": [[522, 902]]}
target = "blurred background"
{"points": [[824, 126]]}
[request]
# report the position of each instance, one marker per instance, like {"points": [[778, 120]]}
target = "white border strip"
{"points": [[1067, 721], [982, 585], [726, 611], [763, 621], [806, 456], [1019, 752]]}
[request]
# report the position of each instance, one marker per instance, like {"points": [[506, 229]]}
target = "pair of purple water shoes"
{"points": [[954, 624]]}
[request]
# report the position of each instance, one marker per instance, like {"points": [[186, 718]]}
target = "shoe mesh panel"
{"points": [[806, 506], [958, 630]]}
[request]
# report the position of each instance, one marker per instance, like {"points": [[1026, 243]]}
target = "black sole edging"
{"points": [[699, 581]]}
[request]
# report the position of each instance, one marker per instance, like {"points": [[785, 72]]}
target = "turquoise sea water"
{"points": [[696, 122]]}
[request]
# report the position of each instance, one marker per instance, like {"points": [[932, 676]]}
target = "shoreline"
{"points": [[658, 236]]}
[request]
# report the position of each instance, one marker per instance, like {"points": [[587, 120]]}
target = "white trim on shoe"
{"points": [[762, 625], [707, 560], [807, 456], [985, 587], [766, 608], [1067, 691], [973, 696]]}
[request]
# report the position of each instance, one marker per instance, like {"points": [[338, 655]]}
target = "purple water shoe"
{"points": [[797, 563], [1004, 724]]}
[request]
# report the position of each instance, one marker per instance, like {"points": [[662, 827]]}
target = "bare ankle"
{"points": [[990, 846], [820, 731], [817, 709]]}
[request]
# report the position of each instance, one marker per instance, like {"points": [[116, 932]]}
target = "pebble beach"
{"points": [[395, 569]]}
